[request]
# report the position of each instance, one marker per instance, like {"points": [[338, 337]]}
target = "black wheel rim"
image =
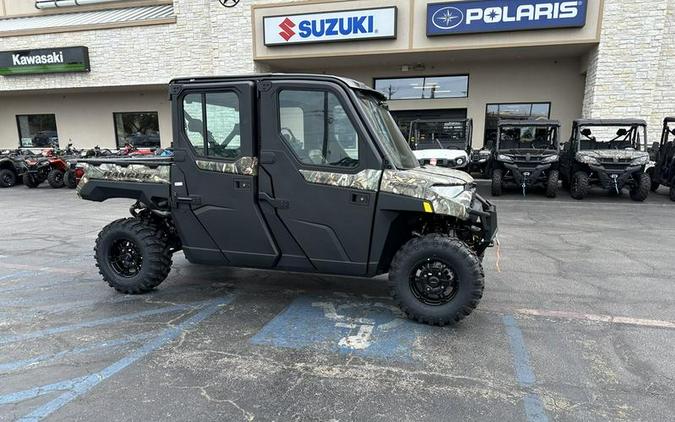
{"points": [[7, 178], [433, 282], [125, 258]]}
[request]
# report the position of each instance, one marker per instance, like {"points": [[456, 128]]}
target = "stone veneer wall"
{"points": [[631, 73]]}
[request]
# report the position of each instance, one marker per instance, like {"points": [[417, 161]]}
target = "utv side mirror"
{"points": [[621, 132]]}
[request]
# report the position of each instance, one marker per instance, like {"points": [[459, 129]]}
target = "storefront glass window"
{"points": [[140, 129], [520, 111], [423, 88], [37, 130]]}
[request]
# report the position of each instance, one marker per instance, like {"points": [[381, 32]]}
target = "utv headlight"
{"points": [[586, 159], [550, 159], [502, 157], [640, 161], [460, 161], [448, 191]]}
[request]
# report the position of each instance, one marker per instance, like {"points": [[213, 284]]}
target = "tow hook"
{"points": [[615, 179]]}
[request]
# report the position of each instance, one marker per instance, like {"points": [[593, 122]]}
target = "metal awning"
{"points": [[63, 21]]}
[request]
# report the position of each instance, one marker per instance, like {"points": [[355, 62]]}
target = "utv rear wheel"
{"points": [[70, 180], [672, 189], [30, 181], [55, 178], [7, 178], [497, 181], [436, 279], [640, 191], [132, 256], [579, 186], [552, 185]]}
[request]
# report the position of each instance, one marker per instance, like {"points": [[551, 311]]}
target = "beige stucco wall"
{"points": [[558, 81], [85, 118]]}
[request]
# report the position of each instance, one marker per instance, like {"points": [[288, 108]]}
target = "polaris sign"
{"points": [[348, 25], [470, 17]]}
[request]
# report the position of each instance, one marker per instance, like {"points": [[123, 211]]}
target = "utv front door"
{"points": [[214, 184], [319, 175]]}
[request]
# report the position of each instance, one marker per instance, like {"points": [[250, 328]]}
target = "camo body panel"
{"points": [[368, 180], [613, 153], [417, 183], [131, 173], [246, 166]]}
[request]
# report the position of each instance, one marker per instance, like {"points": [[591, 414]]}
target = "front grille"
{"points": [[613, 161], [614, 166]]}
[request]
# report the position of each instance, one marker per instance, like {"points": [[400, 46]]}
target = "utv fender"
{"points": [[154, 195]]}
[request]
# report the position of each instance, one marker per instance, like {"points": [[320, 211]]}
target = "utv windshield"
{"points": [[439, 135], [612, 137], [394, 144], [528, 137]]}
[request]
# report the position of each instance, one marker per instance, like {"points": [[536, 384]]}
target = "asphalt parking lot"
{"points": [[577, 323]]}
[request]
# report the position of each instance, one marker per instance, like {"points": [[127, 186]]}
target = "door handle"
{"points": [[275, 203], [192, 200], [360, 198]]}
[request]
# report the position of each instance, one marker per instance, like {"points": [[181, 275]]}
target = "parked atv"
{"points": [[663, 172], [443, 143], [50, 167], [526, 154], [607, 153], [12, 167], [280, 198]]}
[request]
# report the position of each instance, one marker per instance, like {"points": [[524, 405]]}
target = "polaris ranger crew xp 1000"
{"points": [[663, 172], [301, 173], [526, 153], [607, 153]]}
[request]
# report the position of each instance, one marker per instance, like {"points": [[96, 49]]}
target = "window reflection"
{"points": [[422, 88]]}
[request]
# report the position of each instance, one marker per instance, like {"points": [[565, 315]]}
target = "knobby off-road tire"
{"points": [[580, 185], [552, 185], [497, 182], [468, 280], [70, 180], [55, 178], [672, 189], [7, 178], [640, 191], [30, 181], [123, 241]]}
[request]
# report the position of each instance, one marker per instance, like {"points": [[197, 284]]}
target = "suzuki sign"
{"points": [[470, 17], [347, 25]]}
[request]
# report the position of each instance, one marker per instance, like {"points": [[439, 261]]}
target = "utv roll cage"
{"points": [[552, 137], [624, 138]]}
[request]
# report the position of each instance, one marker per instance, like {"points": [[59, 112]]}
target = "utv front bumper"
{"points": [[528, 177], [483, 215], [611, 179]]}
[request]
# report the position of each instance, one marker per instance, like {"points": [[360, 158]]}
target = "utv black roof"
{"points": [[669, 120], [609, 122], [542, 122], [351, 83]]}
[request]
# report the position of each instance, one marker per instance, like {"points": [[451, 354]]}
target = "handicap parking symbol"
{"points": [[357, 326]]}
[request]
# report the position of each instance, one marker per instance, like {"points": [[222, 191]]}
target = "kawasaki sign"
{"points": [[47, 60], [347, 25], [470, 17]]}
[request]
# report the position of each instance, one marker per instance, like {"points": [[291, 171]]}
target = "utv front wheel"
{"points": [[672, 189], [497, 181], [640, 191], [579, 186], [70, 179], [436, 279], [552, 185], [132, 256], [7, 178], [55, 178]]}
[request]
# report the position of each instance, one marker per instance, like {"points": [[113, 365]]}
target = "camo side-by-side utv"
{"points": [[663, 172], [443, 143], [305, 173], [607, 153], [526, 153]]}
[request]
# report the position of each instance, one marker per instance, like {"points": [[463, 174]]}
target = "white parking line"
{"points": [[654, 323]]}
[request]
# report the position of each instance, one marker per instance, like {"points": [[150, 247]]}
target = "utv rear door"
{"points": [[319, 175], [214, 183]]}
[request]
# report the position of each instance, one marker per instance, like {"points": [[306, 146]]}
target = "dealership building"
{"points": [[95, 72]]}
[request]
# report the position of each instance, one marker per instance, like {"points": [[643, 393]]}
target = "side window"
{"points": [[212, 124], [317, 128]]}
